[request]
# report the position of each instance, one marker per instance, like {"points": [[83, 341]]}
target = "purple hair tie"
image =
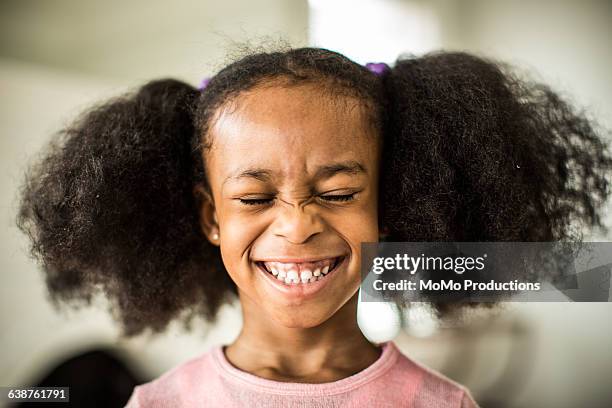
{"points": [[204, 83], [377, 68]]}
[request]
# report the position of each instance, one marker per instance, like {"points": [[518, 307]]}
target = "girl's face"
{"points": [[294, 178]]}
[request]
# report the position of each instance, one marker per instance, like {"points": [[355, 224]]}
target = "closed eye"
{"points": [[255, 201], [338, 197]]}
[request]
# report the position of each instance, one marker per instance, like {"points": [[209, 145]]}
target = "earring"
{"points": [[215, 236]]}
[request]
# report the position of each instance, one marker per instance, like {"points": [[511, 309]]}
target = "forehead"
{"points": [[292, 128]]}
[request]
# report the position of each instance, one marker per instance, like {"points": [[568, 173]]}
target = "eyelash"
{"points": [[256, 201], [340, 197], [330, 198]]}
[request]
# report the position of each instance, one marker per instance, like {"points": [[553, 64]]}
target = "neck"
{"points": [[328, 352]]}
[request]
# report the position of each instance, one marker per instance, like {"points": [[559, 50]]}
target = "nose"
{"points": [[297, 223]]}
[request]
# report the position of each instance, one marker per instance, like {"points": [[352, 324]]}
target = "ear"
{"points": [[207, 213]]}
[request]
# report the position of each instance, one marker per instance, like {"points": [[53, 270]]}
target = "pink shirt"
{"points": [[391, 381]]}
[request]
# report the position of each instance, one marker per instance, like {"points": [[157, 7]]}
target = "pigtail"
{"points": [[110, 209], [472, 153]]}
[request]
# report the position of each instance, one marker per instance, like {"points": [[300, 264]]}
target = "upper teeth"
{"points": [[304, 272]]}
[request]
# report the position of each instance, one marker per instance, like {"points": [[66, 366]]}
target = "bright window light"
{"points": [[373, 30]]}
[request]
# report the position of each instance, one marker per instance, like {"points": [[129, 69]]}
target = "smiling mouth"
{"points": [[292, 273]]}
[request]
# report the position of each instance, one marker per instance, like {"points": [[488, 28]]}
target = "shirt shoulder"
{"points": [[181, 386], [428, 387]]}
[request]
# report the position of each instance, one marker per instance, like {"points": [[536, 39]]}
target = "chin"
{"points": [[303, 321]]}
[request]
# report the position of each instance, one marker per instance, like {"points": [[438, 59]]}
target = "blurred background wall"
{"points": [[59, 56]]}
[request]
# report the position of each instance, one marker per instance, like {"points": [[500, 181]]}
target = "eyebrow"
{"points": [[323, 172], [349, 167]]}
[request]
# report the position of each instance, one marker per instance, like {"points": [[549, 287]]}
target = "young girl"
{"points": [[263, 185]]}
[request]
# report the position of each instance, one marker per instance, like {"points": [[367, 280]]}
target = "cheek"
{"points": [[357, 227], [238, 233], [361, 223]]}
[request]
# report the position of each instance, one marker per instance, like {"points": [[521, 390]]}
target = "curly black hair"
{"points": [[470, 153]]}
